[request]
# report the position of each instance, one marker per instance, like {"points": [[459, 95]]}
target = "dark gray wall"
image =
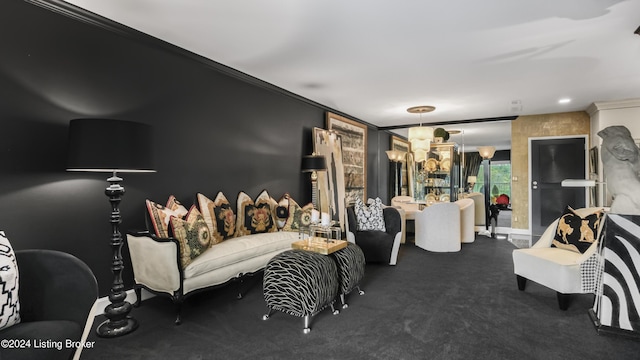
{"points": [[213, 131]]}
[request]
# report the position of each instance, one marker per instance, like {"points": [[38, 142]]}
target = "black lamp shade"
{"points": [[314, 163], [106, 145]]}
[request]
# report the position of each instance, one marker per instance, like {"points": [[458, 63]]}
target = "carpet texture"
{"points": [[462, 305]]}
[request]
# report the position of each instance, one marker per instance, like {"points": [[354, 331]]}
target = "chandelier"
{"points": [[420, 137]]}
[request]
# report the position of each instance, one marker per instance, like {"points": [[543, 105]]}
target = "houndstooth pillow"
{"points": [[369, 217], [9, 304]]}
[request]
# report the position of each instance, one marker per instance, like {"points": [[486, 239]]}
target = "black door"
{"points": [[553, 160]]}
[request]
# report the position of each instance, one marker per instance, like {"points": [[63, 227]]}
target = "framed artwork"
{"points": [[400, 144], [354, 155], [331, 187]]}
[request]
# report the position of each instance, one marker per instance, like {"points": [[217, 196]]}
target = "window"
{"points": [[500, 179]]}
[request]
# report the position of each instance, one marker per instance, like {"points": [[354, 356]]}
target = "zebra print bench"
{"points": [[300, 283]]}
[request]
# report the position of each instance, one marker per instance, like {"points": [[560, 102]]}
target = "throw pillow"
{"points": [[160, 215], [576, 233], [193, 235], [298, 217], [9, 279], [369, 217], [219, 216], [257, 216]]}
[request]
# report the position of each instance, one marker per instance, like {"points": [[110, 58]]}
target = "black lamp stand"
{"points": [[118, 320]]}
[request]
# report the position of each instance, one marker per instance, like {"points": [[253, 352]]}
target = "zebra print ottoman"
{"points": [[300, 283], [351, 263]]}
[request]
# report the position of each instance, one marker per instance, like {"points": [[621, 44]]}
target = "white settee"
{"points": [[157, 267]]}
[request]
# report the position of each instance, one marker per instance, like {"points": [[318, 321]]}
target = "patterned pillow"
{"points": [[298, 217], [219, 216], [257, 216], [192, 233], [576, 233], [160, 215], [369, 217], [9, 279]]}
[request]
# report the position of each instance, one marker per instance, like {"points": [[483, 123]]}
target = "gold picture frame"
{"points": [[354, 154], [400, 144]]}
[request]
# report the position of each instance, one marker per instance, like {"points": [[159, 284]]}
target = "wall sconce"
{"points": [[104, 145], [314, 163]]}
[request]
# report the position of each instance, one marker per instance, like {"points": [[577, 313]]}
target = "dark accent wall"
{"points": [[213, 132]]}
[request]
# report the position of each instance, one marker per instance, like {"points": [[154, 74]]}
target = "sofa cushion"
{"points": [[239, 249], [9, 302], [192, 233], [576, 233], [160, 215], [254, 217], [369, 217], [298, 217], [219, 216]]}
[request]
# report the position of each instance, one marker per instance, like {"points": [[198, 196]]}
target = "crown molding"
{"points": [[612, 105]]}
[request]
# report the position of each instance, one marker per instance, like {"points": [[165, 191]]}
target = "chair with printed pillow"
{"points": [[376, 229], [565, 258], [48, 296]]}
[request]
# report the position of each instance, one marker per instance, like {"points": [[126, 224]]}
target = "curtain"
{"points": [[472, 163]]}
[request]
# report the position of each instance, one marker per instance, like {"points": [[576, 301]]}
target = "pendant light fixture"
{"points": [[420, 137]]}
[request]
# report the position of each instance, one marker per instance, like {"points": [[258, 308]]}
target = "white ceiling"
{"points": [[373, 59]]}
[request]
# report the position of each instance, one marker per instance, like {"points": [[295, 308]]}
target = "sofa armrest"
{"points": [[155, 262]]}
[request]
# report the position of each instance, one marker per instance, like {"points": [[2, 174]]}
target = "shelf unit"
{"points": [[438, 177]]}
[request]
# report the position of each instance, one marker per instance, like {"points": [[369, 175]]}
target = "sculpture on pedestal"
{"points": [[621, 160]]}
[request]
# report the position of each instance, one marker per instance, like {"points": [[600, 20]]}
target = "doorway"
{"points": [[553, 160]]}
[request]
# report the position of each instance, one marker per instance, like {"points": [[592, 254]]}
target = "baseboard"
{"points": [[103, 302]]}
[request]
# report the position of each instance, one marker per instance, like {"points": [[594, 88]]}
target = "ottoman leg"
{"points": [[307, 324], [268, 315]]}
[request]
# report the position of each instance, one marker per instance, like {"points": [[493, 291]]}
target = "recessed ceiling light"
{"points": [[564, 101]]}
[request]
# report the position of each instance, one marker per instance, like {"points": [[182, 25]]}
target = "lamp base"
{"points": [[111, 329]]}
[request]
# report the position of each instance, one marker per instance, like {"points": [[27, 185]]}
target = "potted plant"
{"points": [[440, 135]]}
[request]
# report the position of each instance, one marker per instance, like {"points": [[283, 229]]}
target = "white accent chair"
{"points": [[438, 227], [480, 211], [467, 220], [565, 271]]}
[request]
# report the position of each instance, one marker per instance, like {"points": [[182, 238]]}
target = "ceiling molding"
{"points": [[612, 105]]}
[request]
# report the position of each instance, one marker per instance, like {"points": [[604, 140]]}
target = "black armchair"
{"points": [[377, 246], [57, 293]]}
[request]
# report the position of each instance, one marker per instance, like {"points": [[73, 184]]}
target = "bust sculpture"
{"points": [[621, 160]]}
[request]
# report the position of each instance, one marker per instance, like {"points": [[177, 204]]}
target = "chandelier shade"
{"points": [[420, 133]]}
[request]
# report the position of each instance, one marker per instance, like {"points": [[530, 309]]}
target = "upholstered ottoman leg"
{"points": [[351, 264], [300, 283]]}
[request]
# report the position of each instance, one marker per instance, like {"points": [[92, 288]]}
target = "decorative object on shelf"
{"points": [[487, 153], [420, 137], [440, 135], [621, 165], [445, 164], [354, 154], [314, 163], [106, 145], [431, 165]]}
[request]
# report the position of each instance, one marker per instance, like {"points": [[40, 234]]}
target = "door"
{"points": [[553, 160]]}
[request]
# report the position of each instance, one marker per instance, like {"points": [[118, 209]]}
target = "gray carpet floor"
{"points": [[463, 305]]}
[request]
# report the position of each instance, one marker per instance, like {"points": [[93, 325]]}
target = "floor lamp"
{"points": [[112, 146], [314, 163], [395, 181], [487, 153]]}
